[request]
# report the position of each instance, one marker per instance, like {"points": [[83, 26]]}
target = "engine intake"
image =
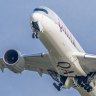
{"points": [[14, 61], [11, 57]]}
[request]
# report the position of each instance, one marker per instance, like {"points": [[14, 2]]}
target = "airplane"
{"points": [[66, 61]]}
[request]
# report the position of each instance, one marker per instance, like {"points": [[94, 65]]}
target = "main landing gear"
{"points": [[61, 83], [85, 81], [59, 79]]}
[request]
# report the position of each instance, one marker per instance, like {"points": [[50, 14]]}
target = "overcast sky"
{"points": [[15, 33]]}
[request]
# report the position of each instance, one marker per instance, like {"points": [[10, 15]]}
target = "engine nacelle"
{"points": [[14, 61]]}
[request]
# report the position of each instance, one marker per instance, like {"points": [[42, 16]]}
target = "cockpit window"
{"points": [[40, 9]]}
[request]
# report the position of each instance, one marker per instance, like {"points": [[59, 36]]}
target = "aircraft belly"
{"points": [[59, 49], [60, 60]]}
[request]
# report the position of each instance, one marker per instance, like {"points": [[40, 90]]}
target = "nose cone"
{"points": [[35, 22], [36, 17]]}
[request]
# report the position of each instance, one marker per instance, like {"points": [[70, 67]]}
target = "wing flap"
{"points": [[38, 62]]}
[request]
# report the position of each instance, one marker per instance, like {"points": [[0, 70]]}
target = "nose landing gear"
{"points": [[36, 27], [35, 35]]}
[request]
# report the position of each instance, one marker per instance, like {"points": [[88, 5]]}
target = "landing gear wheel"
{"points": [[89, 90], [33, 35], [56, 86], [82, 85], [37, 36], [87, 87]]}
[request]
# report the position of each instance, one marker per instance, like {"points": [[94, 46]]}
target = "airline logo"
{"points": [[63, 29]]}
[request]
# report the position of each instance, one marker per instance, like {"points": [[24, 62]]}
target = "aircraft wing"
{"points": [[2, 65], [87, 61], [17, 63], [38, 62]]}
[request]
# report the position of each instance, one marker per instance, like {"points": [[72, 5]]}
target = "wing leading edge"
{"points": [[36, 62]]}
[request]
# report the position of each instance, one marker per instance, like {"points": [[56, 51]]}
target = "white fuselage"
{"points": [[61, 45]]}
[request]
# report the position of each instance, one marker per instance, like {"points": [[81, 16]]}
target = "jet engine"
{"points": [[14, 61]]}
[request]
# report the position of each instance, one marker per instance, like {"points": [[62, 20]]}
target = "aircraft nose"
{"points": [[35, 22], [35, 17]]}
